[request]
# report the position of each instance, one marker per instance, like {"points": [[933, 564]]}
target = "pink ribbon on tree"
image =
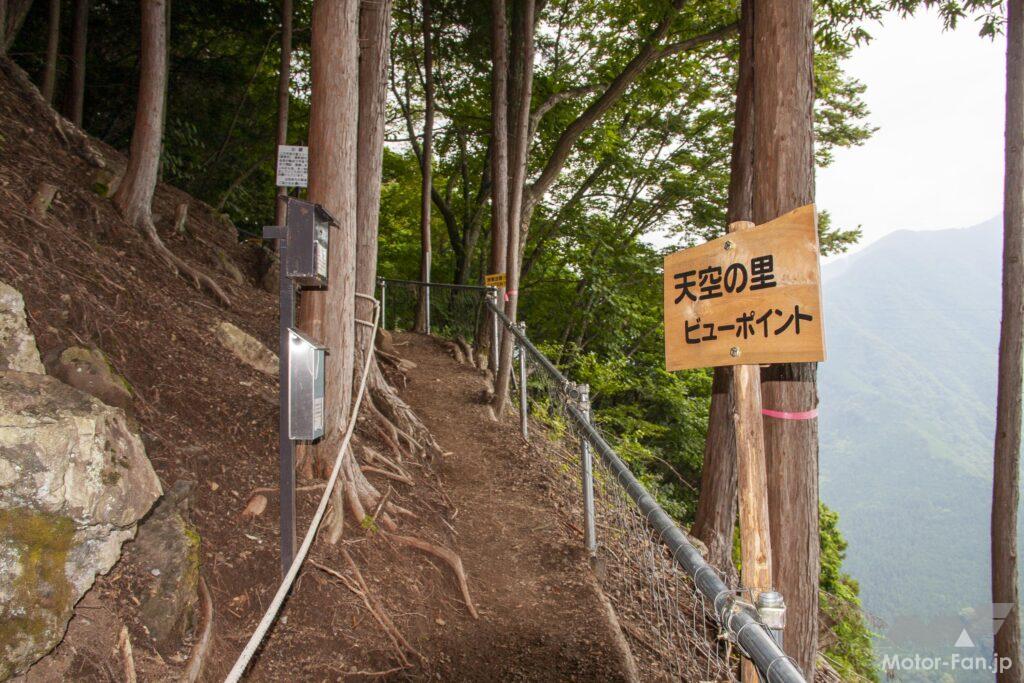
{"points": [[783, 415]]}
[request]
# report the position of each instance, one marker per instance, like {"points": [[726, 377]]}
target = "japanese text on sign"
{"points": [[750, 297], [494, 280], [292, 166]]}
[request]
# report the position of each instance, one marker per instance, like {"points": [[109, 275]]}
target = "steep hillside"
{"points": [[365, 609], [907, 397]]}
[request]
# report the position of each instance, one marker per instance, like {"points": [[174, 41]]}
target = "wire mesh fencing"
{"points": [[454, 310], [683, 620]]}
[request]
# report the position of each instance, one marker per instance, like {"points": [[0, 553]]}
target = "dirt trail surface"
{"points": [[540, 616]]}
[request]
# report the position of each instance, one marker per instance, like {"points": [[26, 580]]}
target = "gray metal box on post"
{"points": [[308, 228], [305, 387]]}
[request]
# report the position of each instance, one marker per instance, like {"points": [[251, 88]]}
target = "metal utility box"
{"points": [[308, 228], [305, 387]]}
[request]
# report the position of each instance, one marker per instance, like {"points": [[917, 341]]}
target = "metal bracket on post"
{"points": [[286, 445], [523, 406], [772, 609], [587, 475], [492, 294]]}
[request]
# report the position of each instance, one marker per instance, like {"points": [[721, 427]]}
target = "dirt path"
{"points": [[541, 618]]}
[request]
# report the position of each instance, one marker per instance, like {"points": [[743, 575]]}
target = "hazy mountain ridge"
{"points": [[907, 406]]}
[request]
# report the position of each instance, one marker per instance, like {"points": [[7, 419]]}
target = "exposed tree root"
{"points": [[178, 265], [197, 660], [124, 646], [453, 561], [396, 411], [362, 591]]}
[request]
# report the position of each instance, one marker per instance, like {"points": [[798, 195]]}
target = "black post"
{"points": [[287, 446]]}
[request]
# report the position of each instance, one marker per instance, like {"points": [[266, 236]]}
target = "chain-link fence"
{"points": [[454, 310], [681, 618]]}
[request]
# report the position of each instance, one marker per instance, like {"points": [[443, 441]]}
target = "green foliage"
{"points": [[849, 651]]}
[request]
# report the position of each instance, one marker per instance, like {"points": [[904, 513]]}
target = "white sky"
{"points": [[936, 161]]}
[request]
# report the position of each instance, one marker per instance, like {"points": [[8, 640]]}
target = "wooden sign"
{"points": [[292, 166], [751, 297], [494, 280]]}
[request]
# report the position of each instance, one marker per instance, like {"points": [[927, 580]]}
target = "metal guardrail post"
{"points": [[523, 407], [772, 609], [587, 475], [383, 303], [426, 295], [492, 295]]}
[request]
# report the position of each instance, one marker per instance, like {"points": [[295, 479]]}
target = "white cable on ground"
{"points": [[275, 605]]}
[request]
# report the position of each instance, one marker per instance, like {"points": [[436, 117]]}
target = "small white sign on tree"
{"points": [[292, 166]]}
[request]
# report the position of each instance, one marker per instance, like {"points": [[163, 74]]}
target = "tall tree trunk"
{"points": [[284, 80], [52, 46], [328, 315], [523, 35], [716, 508], [1006, 471], [134, 196], [784, 157], [499, 156], [14, 13], [374, 38], [76, 86], [427, 163]]}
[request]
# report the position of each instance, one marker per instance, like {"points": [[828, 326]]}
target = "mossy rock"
{"points": [[90, 370]]}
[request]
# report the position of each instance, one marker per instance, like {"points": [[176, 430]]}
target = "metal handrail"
{"points": [[446, 285], [737, 616]]}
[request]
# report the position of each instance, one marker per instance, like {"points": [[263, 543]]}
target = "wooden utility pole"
{"points": [[784, 181], [1006, 470], [284, 79], [752, 479], [52, 45], [76, 86]]}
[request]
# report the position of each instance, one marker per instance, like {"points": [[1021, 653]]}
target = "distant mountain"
{"points": [[907, 416]]}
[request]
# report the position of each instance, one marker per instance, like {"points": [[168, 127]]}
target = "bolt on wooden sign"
{"points": [[750, 297]]}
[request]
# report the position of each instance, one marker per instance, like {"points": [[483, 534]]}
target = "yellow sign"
{"points": [[748, 298], [494, 280]]}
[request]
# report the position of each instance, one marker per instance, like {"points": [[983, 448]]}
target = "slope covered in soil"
{"points": [[88, 279]]}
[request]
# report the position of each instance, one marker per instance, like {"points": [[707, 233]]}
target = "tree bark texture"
{"points": [[716, 508], [52, 47], [519, 122], [75, 104], [14, 13], [134, 196], [427, 163], [328, 315], [1006, 472], [374, 39], [784, 158], [284, 80]]}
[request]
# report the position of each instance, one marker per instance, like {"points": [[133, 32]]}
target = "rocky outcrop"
{"points": [[74, 480], [246, 348], [17, 345], [90, 370], [167, 553]]}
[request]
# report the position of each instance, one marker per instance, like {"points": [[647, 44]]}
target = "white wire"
{"points": [[275, 605]]}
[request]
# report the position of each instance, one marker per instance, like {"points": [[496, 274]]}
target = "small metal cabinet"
{"points": [[308, 228], [305, 387]]}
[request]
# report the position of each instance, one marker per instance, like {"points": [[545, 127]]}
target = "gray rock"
{"points": [[246, 348], [17, 345], [90, 371], [74, 480], [167, 551]]}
